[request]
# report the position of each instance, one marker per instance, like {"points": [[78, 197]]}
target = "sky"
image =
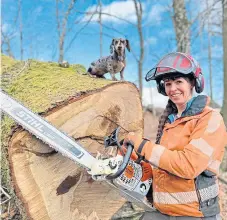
{"points": [[40, 36]]}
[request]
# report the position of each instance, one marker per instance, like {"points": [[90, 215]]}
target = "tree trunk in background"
{"points": [[139, 13], [21, 30], [100, 26], [224, 107], [6, 41], [61, 49], [182, 26], [209, 52], [62, 29]]}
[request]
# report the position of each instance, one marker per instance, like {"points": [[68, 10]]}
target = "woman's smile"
{"points": [[176, 95], [179, 91]]}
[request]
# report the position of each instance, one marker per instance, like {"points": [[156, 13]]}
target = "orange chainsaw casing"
{"points": [[146, 168]]}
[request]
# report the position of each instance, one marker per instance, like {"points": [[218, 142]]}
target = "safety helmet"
{"points": [[176, 64]]}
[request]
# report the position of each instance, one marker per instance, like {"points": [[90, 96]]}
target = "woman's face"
{"points": [[179, 90]]}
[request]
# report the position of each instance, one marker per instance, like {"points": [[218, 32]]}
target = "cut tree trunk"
{"points": [[52, 186]]}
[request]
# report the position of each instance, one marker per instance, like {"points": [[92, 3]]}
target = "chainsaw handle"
{"points": [[124, 163], [112, 140]]}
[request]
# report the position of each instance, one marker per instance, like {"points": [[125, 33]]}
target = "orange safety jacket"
{"points": [[186, 162]]}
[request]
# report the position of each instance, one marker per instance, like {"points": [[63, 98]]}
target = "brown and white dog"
{"points": [[111, 64]]}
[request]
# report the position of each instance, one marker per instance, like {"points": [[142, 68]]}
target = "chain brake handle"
{"points": [[112, 140]]}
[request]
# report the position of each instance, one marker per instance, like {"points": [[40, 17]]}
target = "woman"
{"points": [[189, 146]]}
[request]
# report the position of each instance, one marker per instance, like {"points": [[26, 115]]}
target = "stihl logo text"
{"points": [[30, 120]]}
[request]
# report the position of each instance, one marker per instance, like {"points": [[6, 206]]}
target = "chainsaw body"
{"points": [[136, 179]]}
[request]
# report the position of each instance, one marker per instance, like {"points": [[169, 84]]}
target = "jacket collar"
{"points": [[197, 105], [194, 107]]}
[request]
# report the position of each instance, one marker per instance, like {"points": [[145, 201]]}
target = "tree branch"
{"points": [[114, 29], [62, 32], [57, 18], [78, 32], [108, 14]]}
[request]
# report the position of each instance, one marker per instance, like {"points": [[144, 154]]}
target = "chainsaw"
{"points": [[125, 172]]}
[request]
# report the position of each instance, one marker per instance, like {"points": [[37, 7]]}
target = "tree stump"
{"points": [[52, 186]]}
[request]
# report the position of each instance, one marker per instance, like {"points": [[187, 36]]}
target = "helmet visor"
{"points": [[171, 63]]}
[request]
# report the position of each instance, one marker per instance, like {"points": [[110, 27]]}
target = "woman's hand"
{"points": [[135, 140]]}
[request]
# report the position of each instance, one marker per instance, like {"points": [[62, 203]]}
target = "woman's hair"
{"points": [[170, 109]]}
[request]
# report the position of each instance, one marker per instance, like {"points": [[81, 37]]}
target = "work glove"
{"points": [[136, 141], [142, 146], [101, 166]]}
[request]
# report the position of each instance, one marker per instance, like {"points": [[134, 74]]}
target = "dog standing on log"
{"points": [[114, 63]]}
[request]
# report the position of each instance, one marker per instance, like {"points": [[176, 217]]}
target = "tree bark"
{"points": [[182, 26], [224, 34], [21, 30], [139, 14], [62, 29], [209, 52], [224, 107], [53, 187], [100, 26]]}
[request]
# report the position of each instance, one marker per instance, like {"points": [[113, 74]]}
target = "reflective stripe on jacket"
{"points": [[186, 162]]}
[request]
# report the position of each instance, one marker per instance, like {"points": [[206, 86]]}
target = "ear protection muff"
{"points": [[199, 83], [161, 87]]}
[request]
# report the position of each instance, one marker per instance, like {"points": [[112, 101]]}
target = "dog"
{"points": [[111, 64]]}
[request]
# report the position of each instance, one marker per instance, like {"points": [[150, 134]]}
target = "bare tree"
{"points": [[139, 14], [224, 107], [20, 29], [62, 28], [100, 25], [182, 26], [224, 34], [6, 41], [9, 33], [209, 52]]}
